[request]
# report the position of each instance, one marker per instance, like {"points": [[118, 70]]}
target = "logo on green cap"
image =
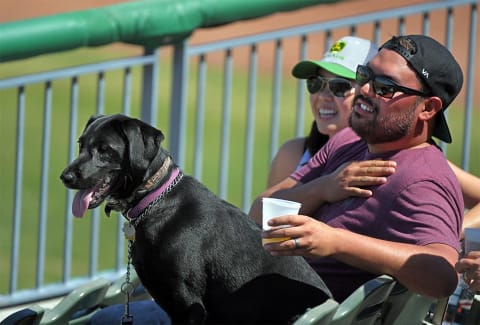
{"points": [[338, 46]]}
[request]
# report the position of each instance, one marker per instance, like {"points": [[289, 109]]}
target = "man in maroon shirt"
{"points": [[408, 227]]}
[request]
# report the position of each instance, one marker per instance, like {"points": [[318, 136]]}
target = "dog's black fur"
{"points": [[199, 257]]}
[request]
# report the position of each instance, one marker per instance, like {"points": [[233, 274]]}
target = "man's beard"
{"points": [[388, 128]]}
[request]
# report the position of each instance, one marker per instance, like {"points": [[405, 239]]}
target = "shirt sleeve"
{"points": [[312, 169], [425, 219]]}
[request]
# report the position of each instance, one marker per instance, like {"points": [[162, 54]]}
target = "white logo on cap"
{"points": [[425, 73]]}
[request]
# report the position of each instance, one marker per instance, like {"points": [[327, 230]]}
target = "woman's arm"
{"points": [[285, 161], [350, 179], [471, 219], [470, 185]]}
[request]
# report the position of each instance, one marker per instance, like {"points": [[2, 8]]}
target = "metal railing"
{"points": [[225, 122]]}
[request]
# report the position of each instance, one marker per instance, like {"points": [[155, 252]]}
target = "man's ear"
{"points": [[432, 105]]}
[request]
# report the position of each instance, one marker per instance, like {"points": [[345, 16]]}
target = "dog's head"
{"points": [[117, 154]]}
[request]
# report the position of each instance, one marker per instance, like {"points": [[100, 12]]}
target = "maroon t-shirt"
{"points": [[421, 203]]}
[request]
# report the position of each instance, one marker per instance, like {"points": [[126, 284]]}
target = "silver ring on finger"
{"points": [[295, 241]]}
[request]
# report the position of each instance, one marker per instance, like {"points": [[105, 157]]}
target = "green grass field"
{"points": [[57, 210]]}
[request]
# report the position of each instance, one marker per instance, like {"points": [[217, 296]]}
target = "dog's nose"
{"points": [[67, 177]]}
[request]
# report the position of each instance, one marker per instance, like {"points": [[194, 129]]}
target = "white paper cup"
{"points": [[472, 239], [272, 208]]}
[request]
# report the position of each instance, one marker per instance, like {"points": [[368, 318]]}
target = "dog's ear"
{"points": [[144, 145], [92, 119]]}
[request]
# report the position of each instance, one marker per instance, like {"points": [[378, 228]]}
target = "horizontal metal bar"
{"points": [[325, 25], [77, 71]]}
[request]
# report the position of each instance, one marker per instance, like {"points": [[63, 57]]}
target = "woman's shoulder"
{"points": [[291, 150], [286, 160], [295, 145]]}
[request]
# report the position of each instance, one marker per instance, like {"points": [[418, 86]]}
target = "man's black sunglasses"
{"points": [[382, 85], [338, 86]]}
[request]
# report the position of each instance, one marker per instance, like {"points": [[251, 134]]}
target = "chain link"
{"points": [[127, 287], [136, 221]]}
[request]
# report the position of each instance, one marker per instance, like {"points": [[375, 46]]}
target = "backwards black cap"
{"points": [[438, 69]]}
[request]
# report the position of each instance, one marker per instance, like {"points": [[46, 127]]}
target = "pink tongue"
{"points": [[80, 202]]}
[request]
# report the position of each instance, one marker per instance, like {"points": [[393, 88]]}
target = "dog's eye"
{"points": [[103, 149]]}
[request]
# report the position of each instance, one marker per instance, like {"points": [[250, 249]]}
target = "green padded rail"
{"points": [[150, 23]]}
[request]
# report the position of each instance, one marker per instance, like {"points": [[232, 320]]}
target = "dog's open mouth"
{"points": [[89, 198]]}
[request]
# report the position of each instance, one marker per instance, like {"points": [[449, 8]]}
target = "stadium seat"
{"points": [[319, 315], [78, 306], [364, 306], [404, 306]]}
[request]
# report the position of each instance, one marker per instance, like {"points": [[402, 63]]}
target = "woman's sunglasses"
{"points": [[338, 86], [382, 85]]}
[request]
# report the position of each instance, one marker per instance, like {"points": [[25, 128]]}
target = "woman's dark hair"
{"points": [[315, 140]]}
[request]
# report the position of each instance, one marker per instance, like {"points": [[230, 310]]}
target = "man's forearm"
{"points": [[411, 265]]}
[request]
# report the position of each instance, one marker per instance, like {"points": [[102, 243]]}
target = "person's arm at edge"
{"points": [[471, 219], [470, 185]]}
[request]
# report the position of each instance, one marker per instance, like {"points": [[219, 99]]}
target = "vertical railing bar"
{"points": [[127, 88], [275, 118], [150, 87], [401, 26], [225, 127], [300, 109], [353, 30], [17, 208], [94, 233], [67, 252], [42, 224], [377, 32], [178, 106], [200, 117], [126, 109], [250, 126], [95, 223], [469, 86], [448, 44], [100, 93], [328, 40], [426, 23]]}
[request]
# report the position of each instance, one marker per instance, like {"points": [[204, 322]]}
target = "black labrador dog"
{"points": [[198, 256]]}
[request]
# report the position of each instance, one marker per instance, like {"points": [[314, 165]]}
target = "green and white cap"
{"points": [[341, 59]]}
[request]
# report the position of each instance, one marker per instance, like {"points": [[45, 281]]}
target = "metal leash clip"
{"points": [[127, 289]]}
